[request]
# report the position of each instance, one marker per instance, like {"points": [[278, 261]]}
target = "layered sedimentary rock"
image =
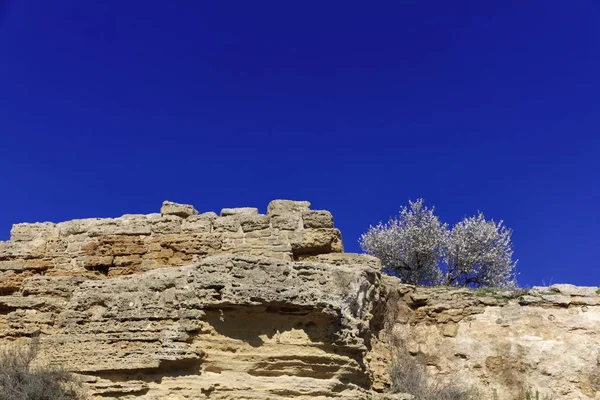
{"points": [[501, 343], [229, 327], [182, 305], [177, 236], [188, 305]]}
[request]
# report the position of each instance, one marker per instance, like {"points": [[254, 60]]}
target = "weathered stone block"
{"points": [[585, 300], [572, 290], [449, 329], [282, 248], [288, 222], [239, 211], [127, 261], [73, 227], [12, 265], [226, 224], [201, 244], [94, 261], [131, 225], [251, 223], [209, 215], [350, 259], [35, 248], [27, 232], [52, 286], [526, 299], [180, 210], [282, 207], [58, 247], [158, 253], [537, 290], [317, 219], [115, 245], [197, 224], [262, 236], [316, 241], [168, 225], [102, 226], [558, 299]]}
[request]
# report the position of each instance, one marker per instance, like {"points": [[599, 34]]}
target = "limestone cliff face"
{"points": [[177, 236], [504, 344], [184, 305]]}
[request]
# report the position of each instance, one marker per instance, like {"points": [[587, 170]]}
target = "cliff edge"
{"points": [[188, 305]]}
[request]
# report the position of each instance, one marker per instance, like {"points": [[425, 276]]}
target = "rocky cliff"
{"points": [[184, 305], [501, 343]]}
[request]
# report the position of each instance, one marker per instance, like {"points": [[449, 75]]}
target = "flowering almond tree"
{"points": [[479, 253], [409, 246], [420, 250]]}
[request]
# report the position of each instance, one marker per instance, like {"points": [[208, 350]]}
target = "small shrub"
{"points": [[408, 375], [20, 381]]}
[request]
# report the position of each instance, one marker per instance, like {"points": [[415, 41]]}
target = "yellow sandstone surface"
{"points": [[241, 305]]}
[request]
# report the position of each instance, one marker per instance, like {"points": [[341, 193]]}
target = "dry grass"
{"points": [[408, 375], [20, 381]]}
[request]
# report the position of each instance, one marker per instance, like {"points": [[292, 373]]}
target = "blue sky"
{"points": [[109, 107]]}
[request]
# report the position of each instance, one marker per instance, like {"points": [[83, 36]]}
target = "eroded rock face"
{"points": [[228, 326], [546, 339], [188, 305], [179, 235], [183, 305]]}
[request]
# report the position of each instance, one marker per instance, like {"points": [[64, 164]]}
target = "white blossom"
{"points": [[409, 246], [420, 250], [479, 253]]}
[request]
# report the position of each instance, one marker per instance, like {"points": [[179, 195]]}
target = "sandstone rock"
{"points": [[587, 300], [12, 265], [239, 211], [27, 232], [349, 259], [394, 396], [251, 223], [284, 207], [132, 225], [316, 241], [82, 246], [25, 250], [76, 226], [524, 300], [286, 222], [169, 224], [186, 306], [198, 223], [419, 299], [572, 290], [227, 224], [540, 341], [536, 290], [449, 329], [490, 301], [245, 326], [558, 299], [180, 210], [102, 226], [317, 219], [209, 215], [114, 389]]}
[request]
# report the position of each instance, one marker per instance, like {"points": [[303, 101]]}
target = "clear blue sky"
{"points": [[109, 107]]}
